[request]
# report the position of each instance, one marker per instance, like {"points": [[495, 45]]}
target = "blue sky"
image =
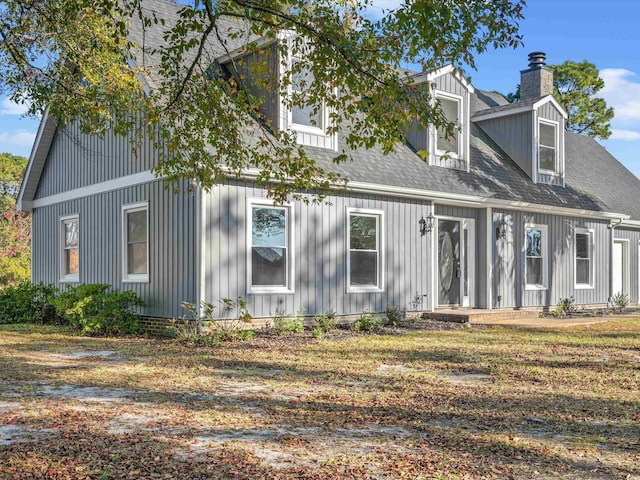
{"points": [[605, 33]]}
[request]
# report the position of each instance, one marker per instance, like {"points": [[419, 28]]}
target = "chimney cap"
{"points": [[537, 59]]}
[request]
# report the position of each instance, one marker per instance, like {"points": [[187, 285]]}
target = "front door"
{"points": [[619, 264], [449, 263]]}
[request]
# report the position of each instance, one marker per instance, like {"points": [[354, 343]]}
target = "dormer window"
{"points": [[450, 144], [307, 116], [548, 147]]}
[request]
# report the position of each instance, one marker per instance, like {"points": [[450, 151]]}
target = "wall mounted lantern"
{"points": [[426, 225], [501, 229]]}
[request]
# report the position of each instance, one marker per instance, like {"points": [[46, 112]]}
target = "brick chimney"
{"points": [[537, 80]]}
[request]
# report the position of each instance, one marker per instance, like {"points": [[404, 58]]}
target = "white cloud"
{"points": [[625, 135], [9, 107], [22, 138], [621, 93], [380, 7]]}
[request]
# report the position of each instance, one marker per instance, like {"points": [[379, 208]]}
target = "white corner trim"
{"points": [[103, 187]]}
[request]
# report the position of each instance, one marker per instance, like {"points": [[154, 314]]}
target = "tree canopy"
{"points": [[575, 86], [87, 62], [15, 227]]}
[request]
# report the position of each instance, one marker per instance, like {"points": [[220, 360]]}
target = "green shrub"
{"points": [[95, 310], [619, 302], [292, 323], [200, 325], [368, 322], [325, 322], [394, 315], [28, 303], [566, 306], [317, 332]]}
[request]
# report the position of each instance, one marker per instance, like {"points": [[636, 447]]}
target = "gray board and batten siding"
{"points": [[514, 135], [320, 248], [509, 260], [173, 244], [77, 160]]}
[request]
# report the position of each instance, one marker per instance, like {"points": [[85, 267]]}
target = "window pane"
{"points": [[268, 227], [547, 159], [534, 243], [268, 266], [583, 271], [71, 233], [137, 226], [137, 258], [364, 268], [304, 115], [547, 135], [363, 232], [71, 261], [534, 271], [450, 110], [582, 245]]}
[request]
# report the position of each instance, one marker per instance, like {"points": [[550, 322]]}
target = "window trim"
{"points": [[380, 247], [461, 154], [545, 257], [289, 288], [556, 126], [591, 233], [64, 278], [133, 277]]}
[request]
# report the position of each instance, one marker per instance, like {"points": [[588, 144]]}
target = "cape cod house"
{"points": [[519, 213]]}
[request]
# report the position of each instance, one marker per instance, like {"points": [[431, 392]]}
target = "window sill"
{"points": [[136, 279], [364, 290], [308, 129], [74, 279], [535, 287], [584, 287], [270, 290], [548, 172]]}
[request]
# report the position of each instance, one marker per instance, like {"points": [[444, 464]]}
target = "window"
{"points": [[364, 261], [270, 263], [584, 254], [70, 254], [450, 144], [547, 147], [310, 116], [135, 228], [536, 257]]}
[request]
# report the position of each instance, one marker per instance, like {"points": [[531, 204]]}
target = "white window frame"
{"points": [[556, 126], [379, 214], [591, 234], [133, 277], [545, 256], [64, 278], [289, 286], [462, 134]]}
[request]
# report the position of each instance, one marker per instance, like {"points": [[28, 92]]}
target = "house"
{"points": [[512, 212]]}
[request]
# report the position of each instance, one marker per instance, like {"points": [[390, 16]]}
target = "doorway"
{"points": [[455, 262]]}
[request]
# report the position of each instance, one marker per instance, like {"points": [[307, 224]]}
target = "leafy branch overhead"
{"points": [[193, 80]]}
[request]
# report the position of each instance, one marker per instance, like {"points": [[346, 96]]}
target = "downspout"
{"points": [[611, 227]]}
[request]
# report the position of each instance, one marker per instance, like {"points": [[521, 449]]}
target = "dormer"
{"points": [[531, 131], [452, 93]]}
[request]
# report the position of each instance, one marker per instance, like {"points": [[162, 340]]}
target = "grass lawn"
{"points": [[465, 403]]}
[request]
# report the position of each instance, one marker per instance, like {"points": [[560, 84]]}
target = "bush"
{"points": [[28, 303], [394, 315], [368, 322], [95, 310], [292, 323], [325, 322], [565, 307], [619, 302], [200, 325]]}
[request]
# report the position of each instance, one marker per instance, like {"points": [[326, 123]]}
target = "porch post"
{"points": [[489, 272]]}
